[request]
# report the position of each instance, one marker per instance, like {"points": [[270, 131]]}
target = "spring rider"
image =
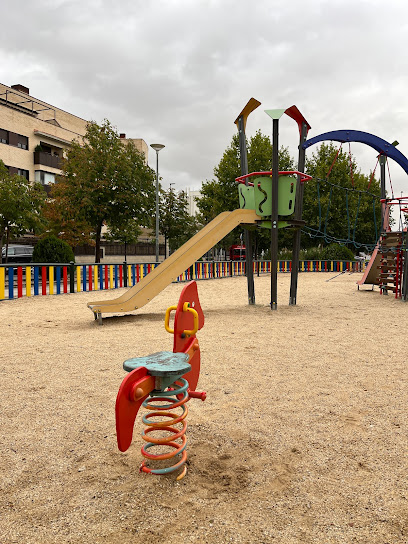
{"points": [[161, 383]]}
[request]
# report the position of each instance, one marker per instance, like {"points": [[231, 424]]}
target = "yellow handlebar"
{"points": [[167, 319], [186, 308]]}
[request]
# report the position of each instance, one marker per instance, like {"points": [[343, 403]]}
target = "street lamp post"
{"points": [[157, 148], [171, 201]]}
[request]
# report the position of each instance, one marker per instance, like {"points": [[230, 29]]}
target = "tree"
{"points": [[20, 206], [336, 209], [127, 233], [175, 223], [221, 194], [62, 220], [104, 180]]}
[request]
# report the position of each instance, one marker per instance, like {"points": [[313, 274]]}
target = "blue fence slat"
{"points": [[58, 279], [36, 279], [11, 282], [84, 278]]}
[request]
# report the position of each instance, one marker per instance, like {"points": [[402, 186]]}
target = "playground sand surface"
{"points": [[302, 438]]}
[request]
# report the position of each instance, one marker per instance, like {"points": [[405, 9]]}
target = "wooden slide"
{"points": [[169, 270]]}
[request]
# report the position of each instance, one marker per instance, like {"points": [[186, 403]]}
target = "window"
{"points": [[13, 170], [14, 139], [22, 141], [4, 136], [46, 178], [24, 173]]}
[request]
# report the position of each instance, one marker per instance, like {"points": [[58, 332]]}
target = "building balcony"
{"points": [[46, 159]]}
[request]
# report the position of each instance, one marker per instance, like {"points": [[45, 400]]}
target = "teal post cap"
{"points": [[275, 114]]}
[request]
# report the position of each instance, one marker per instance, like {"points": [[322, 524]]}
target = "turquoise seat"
{"points": [[162, 363]]}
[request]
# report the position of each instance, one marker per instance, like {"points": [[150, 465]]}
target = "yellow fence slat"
{"points": [[78, 278], [2, 282], [51, 280], [28, 280]]}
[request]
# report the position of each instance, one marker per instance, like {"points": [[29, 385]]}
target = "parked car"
{"points": [[18, 254]]}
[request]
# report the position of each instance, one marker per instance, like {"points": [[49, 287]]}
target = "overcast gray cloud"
{"points": [[179, 71]]}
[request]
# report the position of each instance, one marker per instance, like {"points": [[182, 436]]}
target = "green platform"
{"points": [[259, 197]]}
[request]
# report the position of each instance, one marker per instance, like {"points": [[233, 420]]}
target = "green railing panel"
{"points": [[263, 195], [246, 197]]}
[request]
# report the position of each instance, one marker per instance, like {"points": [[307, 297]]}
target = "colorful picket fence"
{"points": [[17, 281]]}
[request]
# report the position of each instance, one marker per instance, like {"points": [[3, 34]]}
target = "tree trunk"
{"points": [[98, 243], [1, 246], [7, 243]]}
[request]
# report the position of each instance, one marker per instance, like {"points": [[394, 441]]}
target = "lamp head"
{"points": [[157, 147]]}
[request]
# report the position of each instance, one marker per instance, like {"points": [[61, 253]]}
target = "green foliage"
{"points": [[127, 233], [175, 223], [104, 180], [332, 252], [53, 250], [311, 254], [333, 213], [221, 194], [20, 205], [337, 252]]}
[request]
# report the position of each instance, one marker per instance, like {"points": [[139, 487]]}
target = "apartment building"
{"points": [[34, 135], [192, 196]]}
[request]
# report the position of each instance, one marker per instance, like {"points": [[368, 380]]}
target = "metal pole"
{"points": [[248, 234], [298, 216], [157, 206], [157, 148], [274, 216], [383, 195], [404, 293]]}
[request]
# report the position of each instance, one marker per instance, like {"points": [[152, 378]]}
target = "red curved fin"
{"points": [[133, 390]]}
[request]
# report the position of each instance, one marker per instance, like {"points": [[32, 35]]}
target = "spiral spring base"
{"points": [[176, 396]]}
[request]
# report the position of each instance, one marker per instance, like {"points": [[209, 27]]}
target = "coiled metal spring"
{"points": [[176, 396]]}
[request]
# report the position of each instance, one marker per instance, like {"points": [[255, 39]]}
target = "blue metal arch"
{"points": [[380, 145]]}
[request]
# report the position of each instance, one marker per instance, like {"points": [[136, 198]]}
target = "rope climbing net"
{"points": [[344, 215]]}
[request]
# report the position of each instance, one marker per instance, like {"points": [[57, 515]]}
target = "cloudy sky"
{"points": [[178, 72]]}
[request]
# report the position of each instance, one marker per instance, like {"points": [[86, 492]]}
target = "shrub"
{"points": [[337, 252], [285, 254], [311, 254], [52, 250], [332, 252]]}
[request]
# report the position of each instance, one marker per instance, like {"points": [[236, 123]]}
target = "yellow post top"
{"points": [[252, 104]]}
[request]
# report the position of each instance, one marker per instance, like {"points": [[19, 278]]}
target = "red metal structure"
{"points": [[237, 253]]}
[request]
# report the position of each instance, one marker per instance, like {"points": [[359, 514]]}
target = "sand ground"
{"points": [[302, 438]]}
